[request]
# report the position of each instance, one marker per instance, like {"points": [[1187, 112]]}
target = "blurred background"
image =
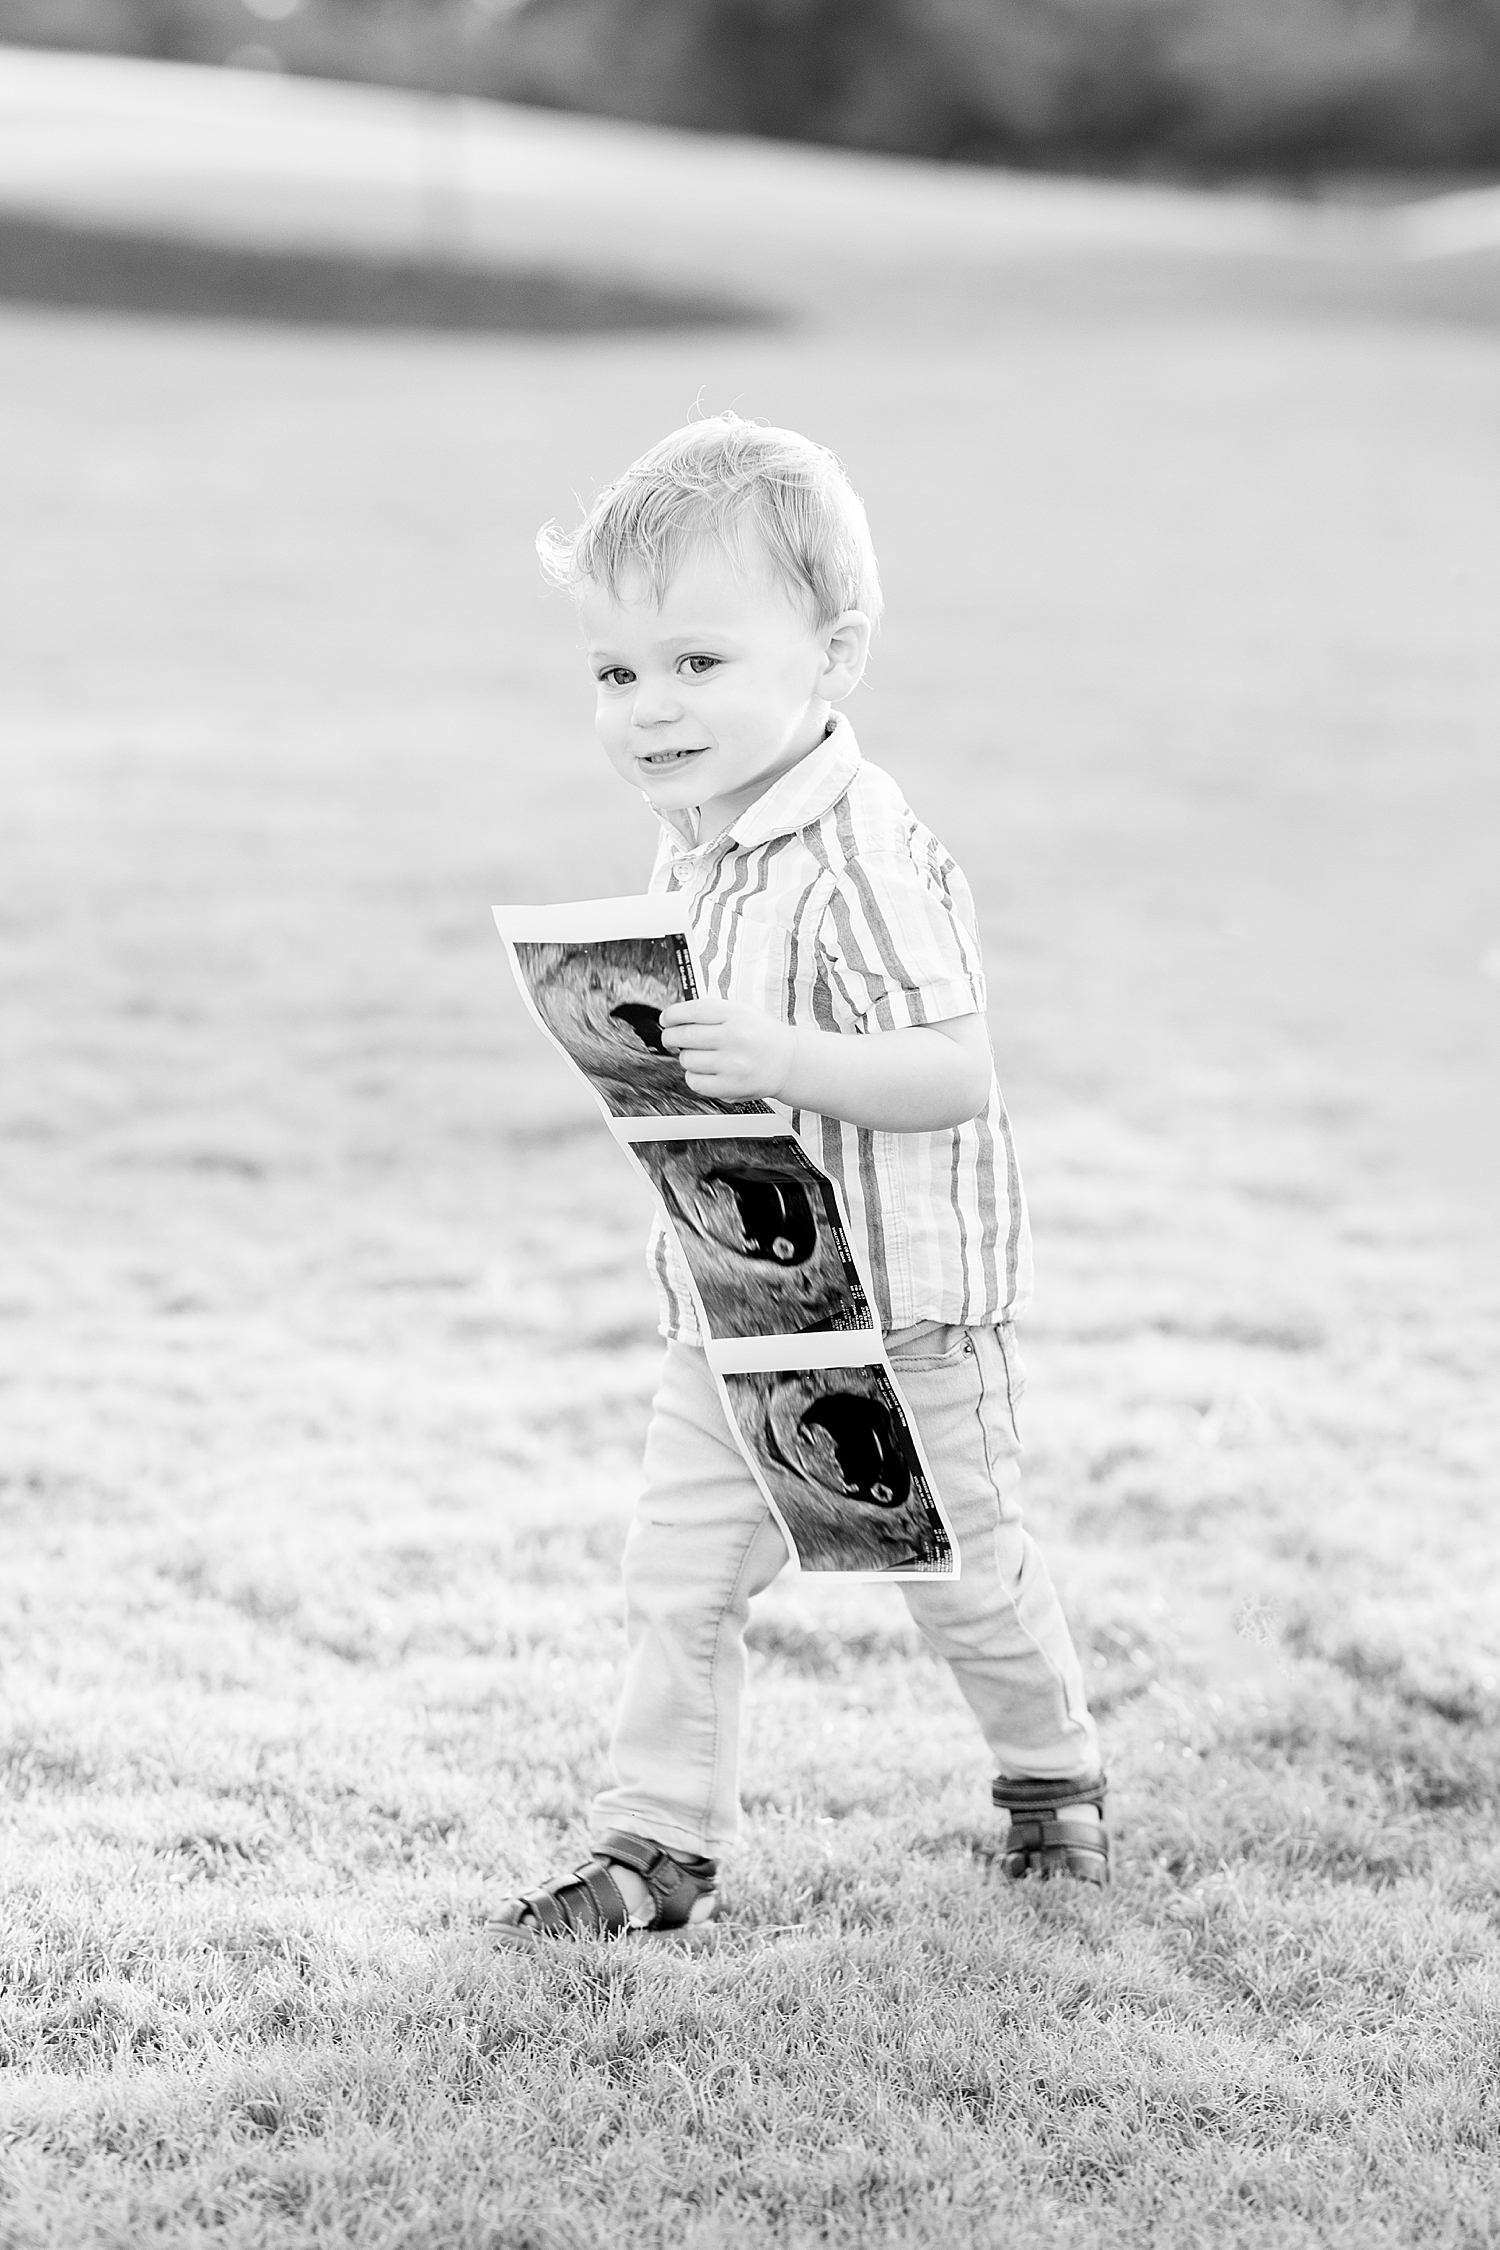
{"points": [[1161, 86]]}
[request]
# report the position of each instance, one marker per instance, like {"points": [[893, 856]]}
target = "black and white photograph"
{"points": [[832, 1446], [760, 1228], [794, 1544], [602, 1002]]}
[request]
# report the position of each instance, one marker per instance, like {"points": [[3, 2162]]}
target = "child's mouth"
{"points": [[660, 761]]}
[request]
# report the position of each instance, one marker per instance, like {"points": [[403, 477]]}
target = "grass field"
{"points": [[328, 1346]]}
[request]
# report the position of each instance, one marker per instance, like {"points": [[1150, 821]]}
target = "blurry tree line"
{"points": [[1196, 85]]}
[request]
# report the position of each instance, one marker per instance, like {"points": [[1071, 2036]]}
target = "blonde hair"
{"points": [[714, 481]]}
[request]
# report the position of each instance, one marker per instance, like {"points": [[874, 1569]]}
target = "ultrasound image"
{"points": [[603, 1001], [760, 1229], [833, 1447]]}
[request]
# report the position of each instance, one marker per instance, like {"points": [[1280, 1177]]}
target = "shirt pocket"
{"points": [[768, 947]]}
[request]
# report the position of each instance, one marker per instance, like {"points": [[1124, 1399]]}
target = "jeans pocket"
{"points": [[925, 1349], [1015, 1365]]}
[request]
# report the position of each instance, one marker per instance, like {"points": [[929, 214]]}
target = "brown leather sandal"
{"points": [[1042, 1840], [589, 1903]]}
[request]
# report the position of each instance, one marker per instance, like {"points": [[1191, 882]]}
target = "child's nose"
{"points": [[655, 702]]}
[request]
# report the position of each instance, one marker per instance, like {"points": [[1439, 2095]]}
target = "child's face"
{"points": [[707, 699]]}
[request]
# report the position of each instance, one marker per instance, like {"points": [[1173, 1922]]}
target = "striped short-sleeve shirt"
{"points": [[828, 903]]}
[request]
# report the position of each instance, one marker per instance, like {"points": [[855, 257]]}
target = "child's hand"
{"points": [[732, 1052]]}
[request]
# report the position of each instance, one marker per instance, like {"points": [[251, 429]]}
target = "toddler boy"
{"points": [[727, 589]]}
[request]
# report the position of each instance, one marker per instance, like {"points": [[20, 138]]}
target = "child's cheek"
{"points": [[613, 735]]}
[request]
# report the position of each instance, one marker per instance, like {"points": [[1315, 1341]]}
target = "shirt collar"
{"points": [[811, 788]]}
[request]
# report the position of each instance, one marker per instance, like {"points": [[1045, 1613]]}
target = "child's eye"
{"points": [[698, 665], [615, 675]]}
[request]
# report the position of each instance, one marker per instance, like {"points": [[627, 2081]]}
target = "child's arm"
{"points": [[917, 1080]]}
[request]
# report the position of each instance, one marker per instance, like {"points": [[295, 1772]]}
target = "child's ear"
{"points": [[846, 644]]}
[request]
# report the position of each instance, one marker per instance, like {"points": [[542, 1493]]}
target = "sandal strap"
{"points": [[586, 1903], [546, 1910], [1021, 1794], [604, 1896], [664, 1873], [1057, 1836]]}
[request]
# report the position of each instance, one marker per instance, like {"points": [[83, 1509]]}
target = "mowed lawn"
{"points": [[327, 1345]]}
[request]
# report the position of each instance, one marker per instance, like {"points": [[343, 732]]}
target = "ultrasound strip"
{"points": [[783, 1307]]}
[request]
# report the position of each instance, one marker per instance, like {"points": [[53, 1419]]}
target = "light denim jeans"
{"points": [[704, 1543]]}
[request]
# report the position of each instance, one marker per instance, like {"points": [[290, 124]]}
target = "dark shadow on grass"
{"points": [[54, 262]]}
